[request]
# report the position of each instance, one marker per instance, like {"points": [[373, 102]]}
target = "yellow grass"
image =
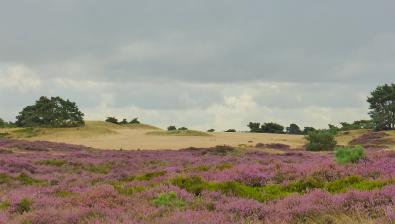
{"points": [[109, 136], [344, 138]]}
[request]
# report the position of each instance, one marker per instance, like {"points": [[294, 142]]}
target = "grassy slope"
{"points": [[91, 129]]}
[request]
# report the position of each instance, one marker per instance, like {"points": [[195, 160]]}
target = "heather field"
{"points": [[43, 182]]}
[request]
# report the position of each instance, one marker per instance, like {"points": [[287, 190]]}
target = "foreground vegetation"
{"points": [[44, 182]]}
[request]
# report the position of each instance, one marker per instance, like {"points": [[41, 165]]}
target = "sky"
{"points": [[201, 64]]}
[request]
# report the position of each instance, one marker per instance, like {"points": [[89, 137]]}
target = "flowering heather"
{"points": [[44, 182]]}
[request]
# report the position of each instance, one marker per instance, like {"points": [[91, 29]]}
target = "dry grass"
{"points": [[110, 136], [344, 138], [340, 219], [105, 135]]}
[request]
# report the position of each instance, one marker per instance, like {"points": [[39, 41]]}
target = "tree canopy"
{"points": [[50, 112], [382, 105]]}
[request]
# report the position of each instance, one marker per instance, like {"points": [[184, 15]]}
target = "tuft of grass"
{"points": [[53, 162], [344, 155], [169, 199], [25, 133], [23, 206], [4, 205], [223, 166], [127, 190], [178, 133], [149, 176], [103, 168], [28, 180]]}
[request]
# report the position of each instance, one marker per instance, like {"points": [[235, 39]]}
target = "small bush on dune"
{"points": [[349, 154], [230, 130], [211, 130], [320, 141], [172, 128]]}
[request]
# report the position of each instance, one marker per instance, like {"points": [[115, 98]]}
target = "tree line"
{"points": [[57, 112]]}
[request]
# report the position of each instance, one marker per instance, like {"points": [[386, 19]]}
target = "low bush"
{"points": [[169, 199], [231, 130], [23, 206], [320, 141], [171, 128], [345, 155]]}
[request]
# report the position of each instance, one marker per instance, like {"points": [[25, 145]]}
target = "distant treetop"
{"points": [[50, 112]]}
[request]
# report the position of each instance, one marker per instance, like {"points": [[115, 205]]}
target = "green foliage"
{"points": [[23, 206], [320, 141], [307, 130], [254, 127], [202, 168], [134, 121], [223, 166], [27, 180], [333, 129], [172, 128], [5, 179], [231, 130], [4, 124], [149, 176], [53, 162], [196, 185], [293, 129], [361, 124], [266, 127], [169, 199], [4, 205], [127, 190], [51, 112], [211, 130], [103, 168], [183, 129], [124, 121], [111, 120], [382, 105], [345, 155]]}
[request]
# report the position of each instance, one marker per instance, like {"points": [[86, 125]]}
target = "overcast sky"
{"points": [[201, 64]]}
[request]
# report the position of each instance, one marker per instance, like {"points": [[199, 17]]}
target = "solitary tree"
{"points": [[293, 129], [124, 121], [382, 105], [171, 128], [50, 112], [307, 130]]}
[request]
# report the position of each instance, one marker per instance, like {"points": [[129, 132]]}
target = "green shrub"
{"points": [[320, 141], [193, 184], [149, 176], [349, 154], [4, 205], [103, 168], [53, 162], [23, 206], [27, 180], [171, 128], [169, 199]]}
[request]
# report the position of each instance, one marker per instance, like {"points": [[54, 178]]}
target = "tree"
{"points": [[124, 121], [183, 129], [112, 120], [382, 105], [307, 130], [231, 130], [254, 127], [134, 121], [272, 128], [50, 112], [211, 130], [320, 141], [293, 129], [2, 123], [172, 128]]}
